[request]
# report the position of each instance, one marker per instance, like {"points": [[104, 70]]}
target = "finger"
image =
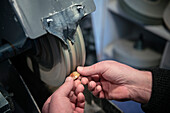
{"points": [[97, 90], [79, 78], [76, 83], [79, 110], [105, 85], [75, 112], [46, 105], [66, 88], [80, 99], [73, 105], [96, 78], [91, 85], [80, 103], [45, 108], [89, 78], [98, 83], [84, 80], [97, 68], [72, 97], [48, 100], [101, 94], [79, 89]]}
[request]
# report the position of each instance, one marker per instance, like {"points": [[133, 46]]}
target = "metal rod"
{"points": [[8, 50]]}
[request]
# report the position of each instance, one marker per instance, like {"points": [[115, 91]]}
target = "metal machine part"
{"points": [[166, 16], [55, 60], [15, 97], [124, 51], [64, 24], [49, 30], [63, 49], [145, 11], [4, 105], [64, 14], [9, 50], [12, 36], [21, 20], [166, 57]]}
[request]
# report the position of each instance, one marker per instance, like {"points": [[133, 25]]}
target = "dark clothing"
{"points": [[160, 97]]}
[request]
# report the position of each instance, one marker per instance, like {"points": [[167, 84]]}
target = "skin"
{"points": [[116, 81], [68, 98], [107, 79]]}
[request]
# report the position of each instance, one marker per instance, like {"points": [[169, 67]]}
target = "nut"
{"points": [[74, 75]]}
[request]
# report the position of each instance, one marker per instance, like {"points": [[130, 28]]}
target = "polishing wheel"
{"points": [[55, 60], [145, 11]]}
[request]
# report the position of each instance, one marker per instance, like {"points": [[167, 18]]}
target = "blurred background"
{"points": [[133, 32], [42, 42]]}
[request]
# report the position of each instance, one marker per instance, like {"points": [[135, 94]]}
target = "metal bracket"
{"points": [[64, 24]]}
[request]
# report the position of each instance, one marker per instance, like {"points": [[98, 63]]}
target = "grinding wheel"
{"points": [[145, 11], [166, 16], [56, 61]]}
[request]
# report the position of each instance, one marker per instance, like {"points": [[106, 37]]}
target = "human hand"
{"points": [[113, 80], [67, 99]]}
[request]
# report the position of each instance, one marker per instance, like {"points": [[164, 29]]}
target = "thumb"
{"points": [[97, 68], [66, 88]]}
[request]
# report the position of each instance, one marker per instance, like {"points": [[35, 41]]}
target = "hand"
{"points": [[113, 80], [67, 99]]}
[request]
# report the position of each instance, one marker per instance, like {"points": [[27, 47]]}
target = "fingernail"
{"points": [[80, 68], [68, 79]]}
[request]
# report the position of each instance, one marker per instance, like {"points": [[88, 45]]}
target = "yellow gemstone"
{"points": [[74, 75]]}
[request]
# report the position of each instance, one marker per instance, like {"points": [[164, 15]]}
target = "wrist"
{"points": [[142, 87]]}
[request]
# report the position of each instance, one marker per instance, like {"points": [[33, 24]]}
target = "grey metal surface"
{"points": [[12, 36], [10, 50], [31, 12], [4, 105], [10, 28], [64, 24], [166, 16]]}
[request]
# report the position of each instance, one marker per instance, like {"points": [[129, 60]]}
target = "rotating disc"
{"points": [[82, 45], [57, 74], [64, 60], [145, 11]]}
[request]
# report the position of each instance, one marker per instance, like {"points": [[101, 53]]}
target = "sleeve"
{"points": [[160, 97]]}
